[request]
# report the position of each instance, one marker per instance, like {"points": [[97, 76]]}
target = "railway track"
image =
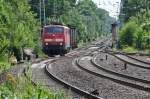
{"points": [[42, 73], [129, 63], [53, 82], [125, 65], [132, 61], [63, 65], [93, 49], [129, 59], [98, 70], [133, 81], [70, 86], [146, 60]]}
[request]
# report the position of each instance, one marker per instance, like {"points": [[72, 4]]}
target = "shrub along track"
{"points": [[16, 70]]}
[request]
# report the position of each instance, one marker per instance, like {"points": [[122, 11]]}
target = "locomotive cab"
{"points": [[56, 39]]}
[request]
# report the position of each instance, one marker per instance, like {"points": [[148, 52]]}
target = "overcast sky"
{"points": [[110, 5]]}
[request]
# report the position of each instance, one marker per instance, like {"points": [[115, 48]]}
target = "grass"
{"points": [[129, 50], [22, 88], [4, 64], [82, 44], [133, 50], [147, 51]]}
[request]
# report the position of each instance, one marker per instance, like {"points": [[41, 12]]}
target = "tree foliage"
{"points": [[134, 35], [133, 7], [137, 12], [89, 20], [131, 35], [18, 27]]}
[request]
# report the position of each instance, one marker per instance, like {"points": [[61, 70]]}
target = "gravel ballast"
{"points": [[88, 82]]}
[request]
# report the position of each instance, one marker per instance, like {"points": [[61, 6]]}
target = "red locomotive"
{"points": [[58, 39]]}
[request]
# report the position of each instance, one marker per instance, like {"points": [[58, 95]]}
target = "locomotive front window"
{"points": [[54, 30]]}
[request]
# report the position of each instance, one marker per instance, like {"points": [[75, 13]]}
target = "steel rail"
{"points": [[137, 59], [142, 65], [69, 86], [127, 55], [113, 78], [93, 61]]}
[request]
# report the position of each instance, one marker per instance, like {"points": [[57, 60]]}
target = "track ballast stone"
{"points": [[106, 88], [114, 64]]}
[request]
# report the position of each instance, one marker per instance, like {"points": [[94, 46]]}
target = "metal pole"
{"points": [[44, 11], [40, 5], [54, 11]]}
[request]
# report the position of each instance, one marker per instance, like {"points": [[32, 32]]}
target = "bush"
{"points": [[4, 65], [22, 88], [18, 27], [127, 34], [129, 49], [131, 35]]}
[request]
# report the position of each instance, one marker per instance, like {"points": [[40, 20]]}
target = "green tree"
{"points": [[19, 28], [89, 20], [128, 33], [133, 7], [138, 11]]}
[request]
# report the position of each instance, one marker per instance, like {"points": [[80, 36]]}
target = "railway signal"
{"points": [[114, 33]]}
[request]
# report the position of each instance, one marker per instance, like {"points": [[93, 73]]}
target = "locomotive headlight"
{"points": [[61, 43], [59, 40], [46, 43]]}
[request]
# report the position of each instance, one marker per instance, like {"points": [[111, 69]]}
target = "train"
{"points": [[58, 39]]}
